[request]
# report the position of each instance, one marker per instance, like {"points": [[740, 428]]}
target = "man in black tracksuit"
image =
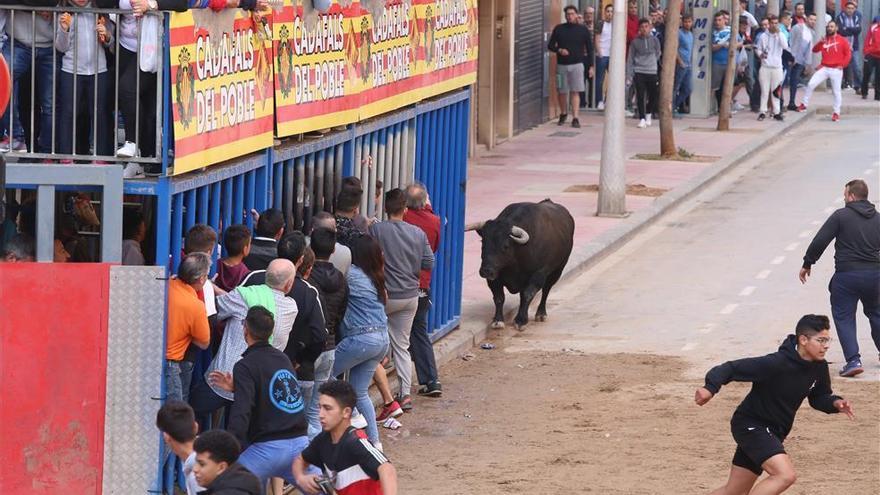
{"points": [[780, 383], [268, 413], [855, 229]]}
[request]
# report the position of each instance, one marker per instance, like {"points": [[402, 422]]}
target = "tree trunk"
{"points": [[727, 92], [667, 79]]}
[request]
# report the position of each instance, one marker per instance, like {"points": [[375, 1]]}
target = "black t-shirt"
{"points": [[353, 462], [575, 38]]}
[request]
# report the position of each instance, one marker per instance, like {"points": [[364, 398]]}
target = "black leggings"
{"points": [[646, 86], [136, 106], [871, 65]]}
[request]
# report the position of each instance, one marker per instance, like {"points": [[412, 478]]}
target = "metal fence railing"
{"points": [[78, 72]]}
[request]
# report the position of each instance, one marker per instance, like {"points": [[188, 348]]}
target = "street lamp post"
{"points": [[612, 171]]}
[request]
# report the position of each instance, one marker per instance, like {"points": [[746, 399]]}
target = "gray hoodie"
{"points": [[643, 56]]}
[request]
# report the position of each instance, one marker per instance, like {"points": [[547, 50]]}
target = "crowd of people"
{"points": [[259, 350], [774, 54], [84, 65]]}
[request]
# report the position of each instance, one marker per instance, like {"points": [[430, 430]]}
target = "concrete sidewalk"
{"points": [[559, 162]]}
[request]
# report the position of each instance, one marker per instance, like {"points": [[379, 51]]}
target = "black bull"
{"points": [[524, 251]]}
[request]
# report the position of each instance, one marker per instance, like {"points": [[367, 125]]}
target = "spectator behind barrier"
{"points": [[134, 231], [19, 249]]}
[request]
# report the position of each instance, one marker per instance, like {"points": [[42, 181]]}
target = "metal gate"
{"points": [[528, 73]]}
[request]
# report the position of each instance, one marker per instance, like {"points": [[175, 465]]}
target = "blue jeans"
{"points": [[797, 70], [854, 70], [420, 346], [601, 69], [45, 66], [682, 87], [178, 377], [847, 289], [274, 459], [323, 368], [359, 355]]}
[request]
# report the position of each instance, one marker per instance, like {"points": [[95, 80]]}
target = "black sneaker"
{"points": [[562, 118], [792, 107], [431, 390], [576, 123], [761, 117], [778, 117]]}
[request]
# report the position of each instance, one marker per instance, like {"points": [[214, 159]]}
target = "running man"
{"points": [[780, 382]]}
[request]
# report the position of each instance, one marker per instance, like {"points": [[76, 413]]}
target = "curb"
{"points": [[470, 334]]}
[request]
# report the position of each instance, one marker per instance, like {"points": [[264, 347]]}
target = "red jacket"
{"points": [[426, 220], [835, 50], [632, 28], [872, 41]]}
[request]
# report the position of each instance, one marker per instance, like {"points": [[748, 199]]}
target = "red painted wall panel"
{"points": [[53, 365]]}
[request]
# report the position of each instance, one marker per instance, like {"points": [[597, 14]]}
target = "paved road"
{"points": [[718, 279]]}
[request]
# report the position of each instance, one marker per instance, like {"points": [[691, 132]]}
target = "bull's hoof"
{"points": [[497, 325], [519, 326], [540, 317]]}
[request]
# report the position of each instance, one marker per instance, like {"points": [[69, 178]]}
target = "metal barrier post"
{"points": [[46, 223]]}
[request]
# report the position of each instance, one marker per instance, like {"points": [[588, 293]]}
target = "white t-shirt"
{"points": [[191, 486], [605, 40]]}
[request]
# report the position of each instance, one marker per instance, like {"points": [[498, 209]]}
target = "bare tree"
{"points": [[727, 91], [667, 79]]}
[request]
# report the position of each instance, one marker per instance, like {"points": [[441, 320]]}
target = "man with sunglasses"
{"points": [[780, 383]]}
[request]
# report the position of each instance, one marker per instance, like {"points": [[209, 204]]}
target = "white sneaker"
{"points": [[600, 106], [737, 107], [642, 124], [128, 150], [359, 421], [648, 120], [379, 447], [629, 113], [133, 170]]}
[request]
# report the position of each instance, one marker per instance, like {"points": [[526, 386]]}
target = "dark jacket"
{"points": [[308, 335], [575, 38], [309, 332], [333, 291], [236, 480], [780, 382], [263, 251], [855, 229], [268, 401]]}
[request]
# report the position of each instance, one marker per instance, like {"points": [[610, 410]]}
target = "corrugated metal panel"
{"points": [[528, 73]]}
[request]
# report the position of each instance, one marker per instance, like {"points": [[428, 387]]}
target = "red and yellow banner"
{"points": [[221, 86], [235, 75], [345, 65]]}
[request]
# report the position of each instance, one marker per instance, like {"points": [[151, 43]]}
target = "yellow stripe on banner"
{"points": [[221, 153], [301, 126]]}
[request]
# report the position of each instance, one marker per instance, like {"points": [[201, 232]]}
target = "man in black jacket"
{"points": [[216, 468], [264, 247], [268, 414], [780, 383], [573, 45], [333, 294], [855, 229]]}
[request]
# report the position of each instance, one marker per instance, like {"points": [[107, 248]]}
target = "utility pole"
{"points": [[612, 170]]}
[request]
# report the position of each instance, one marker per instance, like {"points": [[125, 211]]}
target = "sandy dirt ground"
{"points": [[569, 422]]}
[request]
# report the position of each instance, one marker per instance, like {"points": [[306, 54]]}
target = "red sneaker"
{"points": [[392, 410], [802, 108], [835, 117]]}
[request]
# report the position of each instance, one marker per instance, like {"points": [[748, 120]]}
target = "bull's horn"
{"points": [[474, 226], [519, 235]]}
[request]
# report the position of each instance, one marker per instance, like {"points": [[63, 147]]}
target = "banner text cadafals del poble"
{"points": [[299, 73]]}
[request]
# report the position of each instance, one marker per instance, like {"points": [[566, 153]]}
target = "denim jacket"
{"points": [[364, 310]]}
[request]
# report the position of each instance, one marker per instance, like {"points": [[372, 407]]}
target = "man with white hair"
{"points": [[420, 214], [232, 308], [187, 323], [341, 257]]}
